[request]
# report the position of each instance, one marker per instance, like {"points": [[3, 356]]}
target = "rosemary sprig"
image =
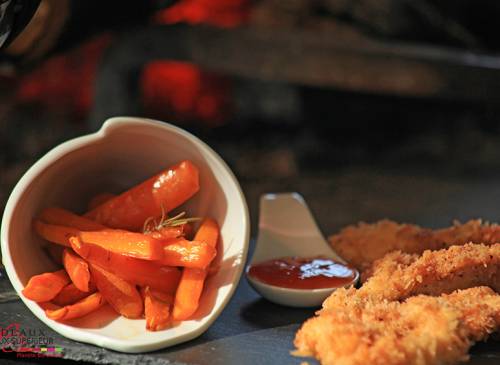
{"points": [[151, 224]]}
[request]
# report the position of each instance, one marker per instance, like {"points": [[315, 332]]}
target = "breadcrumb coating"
{"points": [[422, 330], [404, 314], [363, 243], [398, 275]]}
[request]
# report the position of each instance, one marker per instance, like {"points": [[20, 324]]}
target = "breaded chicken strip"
{"points": [[398, 275], [362, 244], [424, 330]]}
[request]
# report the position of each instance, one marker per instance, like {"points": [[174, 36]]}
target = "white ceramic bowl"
{"points": [[122, 153]]}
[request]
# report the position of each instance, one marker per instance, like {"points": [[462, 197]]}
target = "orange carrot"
{"points": [[186, 253], [54, 233], [99, 199], [165, 297], [71, 294], [62, 217], [77, 269], [49, 305], [136, 271], [79, 309], [188, 293], [120, 294], [166, 190], [44, 287], [124, 242], [168, 233], [156, 309]]}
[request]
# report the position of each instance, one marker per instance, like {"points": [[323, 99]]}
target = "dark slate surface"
{"points": [[365, 174], [254, 331]]}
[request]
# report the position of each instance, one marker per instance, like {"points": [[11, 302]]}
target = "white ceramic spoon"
{"points": [[287, 228]]}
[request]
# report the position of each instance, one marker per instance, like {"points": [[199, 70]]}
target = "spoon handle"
{"points": [[287, 228]]}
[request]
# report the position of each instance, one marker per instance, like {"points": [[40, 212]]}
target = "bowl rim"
{"points": [[72, 145]]}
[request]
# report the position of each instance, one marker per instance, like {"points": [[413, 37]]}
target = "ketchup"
{"points": [[303, 273]]}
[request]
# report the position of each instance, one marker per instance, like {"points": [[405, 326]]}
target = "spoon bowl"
{"points": [[288, 229]]}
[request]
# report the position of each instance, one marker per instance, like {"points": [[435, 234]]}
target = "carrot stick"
{"points": [[186, 253], [168, 233], [44, 287], [99, 199], [54, 233], [77, 269], [79, 309], [188, 293], [124, 242], [166, 190], [71, 294], [156, 309], [136, 271], [165, 297], [62, 217], [120, 294], [49, 305]]}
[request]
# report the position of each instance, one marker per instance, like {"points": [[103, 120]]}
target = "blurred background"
{"points": [[369, 108]]}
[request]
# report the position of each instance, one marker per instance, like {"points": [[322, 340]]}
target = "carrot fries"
{"points": [[166, 190], [54, 233], [77, 269], [62, 217], [79, 309], [120, 294], [44, 287], [127, 251], [191, 285], [137, 271], [194, 254], [156, 308], [71, 294], [124, 242]]}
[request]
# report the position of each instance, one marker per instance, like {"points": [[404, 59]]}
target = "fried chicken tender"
{"points": [[362, 244], [398, 276], [370, 326], [422, 330]]}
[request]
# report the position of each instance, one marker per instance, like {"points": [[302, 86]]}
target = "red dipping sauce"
{"points": [[303, 273]]}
